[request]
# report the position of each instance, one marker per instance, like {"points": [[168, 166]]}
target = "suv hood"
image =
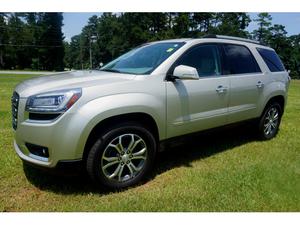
{"points": [[69, 80]]}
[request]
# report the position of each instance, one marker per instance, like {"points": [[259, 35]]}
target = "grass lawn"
{"points": [[222, 171]]}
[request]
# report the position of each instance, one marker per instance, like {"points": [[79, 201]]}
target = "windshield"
{"points": [[144, 59]]}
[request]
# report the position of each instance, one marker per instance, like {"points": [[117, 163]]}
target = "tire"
{"points": [[269, 122], [129, 149]]}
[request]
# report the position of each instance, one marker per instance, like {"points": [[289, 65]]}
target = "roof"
{"points": [[233, 38], [217, 38]]}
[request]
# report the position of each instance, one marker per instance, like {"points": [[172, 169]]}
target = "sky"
{"points": [[74, 22]]}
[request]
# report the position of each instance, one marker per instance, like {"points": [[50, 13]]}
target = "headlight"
{"points": [[56, 101]]}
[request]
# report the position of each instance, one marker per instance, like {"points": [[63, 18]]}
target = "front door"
{"points": [[194, 105]]}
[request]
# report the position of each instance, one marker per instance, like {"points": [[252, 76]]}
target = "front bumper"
{"points": [[63, 165], [61, 138], [25, 155]]}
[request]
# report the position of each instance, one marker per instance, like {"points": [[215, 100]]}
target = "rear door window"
{"points": [[271, 59], [239, 60]]}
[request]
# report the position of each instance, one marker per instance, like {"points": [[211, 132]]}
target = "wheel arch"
{"points": [[139, 117], [280, 99]]}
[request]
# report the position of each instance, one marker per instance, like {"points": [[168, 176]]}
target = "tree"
{"points": [[202, 22], [73, 56], [159, 26], [15, 49], [295, 56], [118, 33], [182, 25], [135, 27], [3, 38], [32, 31], [51, 40], [264, 22], [232, 24], [277, 37], [279, 41], [34, 40]]}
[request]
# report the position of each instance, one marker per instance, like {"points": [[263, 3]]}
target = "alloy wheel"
{"points": [[271, 121], [124, 157]]}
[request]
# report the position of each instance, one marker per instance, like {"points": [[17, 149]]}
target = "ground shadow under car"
{"points": [[177, 154]]}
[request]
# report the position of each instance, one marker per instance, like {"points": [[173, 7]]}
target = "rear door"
{"points": [[246, 82]]}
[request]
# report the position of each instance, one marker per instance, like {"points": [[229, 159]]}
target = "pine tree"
{"points": [[264, 22], [232, 24], [51, 41], [3, 38]]}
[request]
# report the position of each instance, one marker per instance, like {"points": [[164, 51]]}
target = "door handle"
{"points": [[260, 84], [221, 89]]}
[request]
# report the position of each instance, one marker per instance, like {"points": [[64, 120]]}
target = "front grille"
{"points": [[14, 109]]}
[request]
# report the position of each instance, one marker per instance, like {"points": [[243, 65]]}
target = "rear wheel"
{"points": [[270, 121], [122, 156]]}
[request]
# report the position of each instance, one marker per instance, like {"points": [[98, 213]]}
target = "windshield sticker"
{"points": [[170, 49]]}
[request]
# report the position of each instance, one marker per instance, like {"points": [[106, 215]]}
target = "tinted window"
{"points": [[271, 59], [205, 58], [240, 60]]}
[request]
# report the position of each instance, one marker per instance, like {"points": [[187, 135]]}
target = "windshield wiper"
{"points": [[111, 70]]}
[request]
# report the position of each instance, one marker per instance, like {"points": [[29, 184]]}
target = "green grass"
{"points": [[227, 170]]}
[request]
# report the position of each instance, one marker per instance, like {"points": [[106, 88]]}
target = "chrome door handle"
{"points": [[260, 84], [221, 89]]}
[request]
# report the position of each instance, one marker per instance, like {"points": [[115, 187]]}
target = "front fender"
{"points": [[97, 110]]}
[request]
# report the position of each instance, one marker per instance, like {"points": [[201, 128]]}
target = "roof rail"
{"points": [[232, 38]]}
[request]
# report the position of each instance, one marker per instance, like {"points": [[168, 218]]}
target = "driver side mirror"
{"points": [[185, 73]]}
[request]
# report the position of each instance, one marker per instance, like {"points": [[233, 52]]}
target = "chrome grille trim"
{"points": [[14, 109]]}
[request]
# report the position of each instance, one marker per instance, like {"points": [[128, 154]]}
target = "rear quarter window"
{"points": [[271, 59]]}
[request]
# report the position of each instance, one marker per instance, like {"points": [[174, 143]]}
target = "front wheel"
{"points": [[270, 121], [122, 156]]}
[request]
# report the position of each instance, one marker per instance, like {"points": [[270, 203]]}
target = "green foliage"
{"points": [[118, 33], [232, 24], [31, 40], [3, 38], [293, 60], [263, 22], [276, 37], [35, 41], [52, 37]]}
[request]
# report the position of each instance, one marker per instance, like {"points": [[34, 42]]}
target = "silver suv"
{"points": [[114, 119]]}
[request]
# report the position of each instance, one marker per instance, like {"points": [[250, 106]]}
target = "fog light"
{"points": [[37, 150]]}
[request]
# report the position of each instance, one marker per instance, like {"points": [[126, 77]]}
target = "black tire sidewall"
{"points": [[95, 154]]}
